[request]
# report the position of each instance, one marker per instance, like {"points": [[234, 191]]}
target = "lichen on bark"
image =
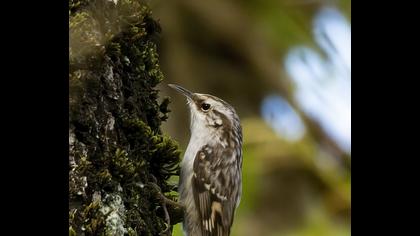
{"points": [[117, 152]]}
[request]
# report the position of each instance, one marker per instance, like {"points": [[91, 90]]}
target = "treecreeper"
{"points": [[210, 183]]}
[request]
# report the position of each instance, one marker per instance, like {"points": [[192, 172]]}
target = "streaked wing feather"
{"points": [[212, 184]]}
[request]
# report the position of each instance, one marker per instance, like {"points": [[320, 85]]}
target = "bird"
{"points": [[210, 183]]}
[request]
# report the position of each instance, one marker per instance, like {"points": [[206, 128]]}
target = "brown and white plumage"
{"points": [[210, 180], [214, 174]]}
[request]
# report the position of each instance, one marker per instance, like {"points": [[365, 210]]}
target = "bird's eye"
{"points": [[205, 106]]}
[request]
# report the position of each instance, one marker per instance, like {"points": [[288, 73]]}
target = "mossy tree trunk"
{"points": [[119, 159]]}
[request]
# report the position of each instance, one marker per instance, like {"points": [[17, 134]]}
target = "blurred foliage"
{"points": [[235, 50]]}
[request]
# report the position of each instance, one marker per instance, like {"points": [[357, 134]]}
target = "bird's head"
{"points": [[209, 112]]}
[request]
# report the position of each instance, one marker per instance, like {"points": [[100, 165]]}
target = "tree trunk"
{"points": [[119, 161]]}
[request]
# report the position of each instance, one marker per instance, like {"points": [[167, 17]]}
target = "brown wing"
{"points": [[216, 186]]}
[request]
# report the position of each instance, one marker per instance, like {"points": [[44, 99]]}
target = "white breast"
{"points": [[199, 138]]}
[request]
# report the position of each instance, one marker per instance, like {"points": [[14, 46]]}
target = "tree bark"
{"points": [[119, 160]]}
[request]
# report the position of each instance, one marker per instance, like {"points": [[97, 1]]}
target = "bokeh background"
{"points": [[285, 65]]}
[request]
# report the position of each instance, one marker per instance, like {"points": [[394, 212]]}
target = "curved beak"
{"points": [[182, 90]]}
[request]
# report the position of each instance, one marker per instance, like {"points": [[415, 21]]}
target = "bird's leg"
{"points": [[164, 199]]}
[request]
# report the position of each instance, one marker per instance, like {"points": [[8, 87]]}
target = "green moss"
{"points": [[116, 147], [72, 232]]}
